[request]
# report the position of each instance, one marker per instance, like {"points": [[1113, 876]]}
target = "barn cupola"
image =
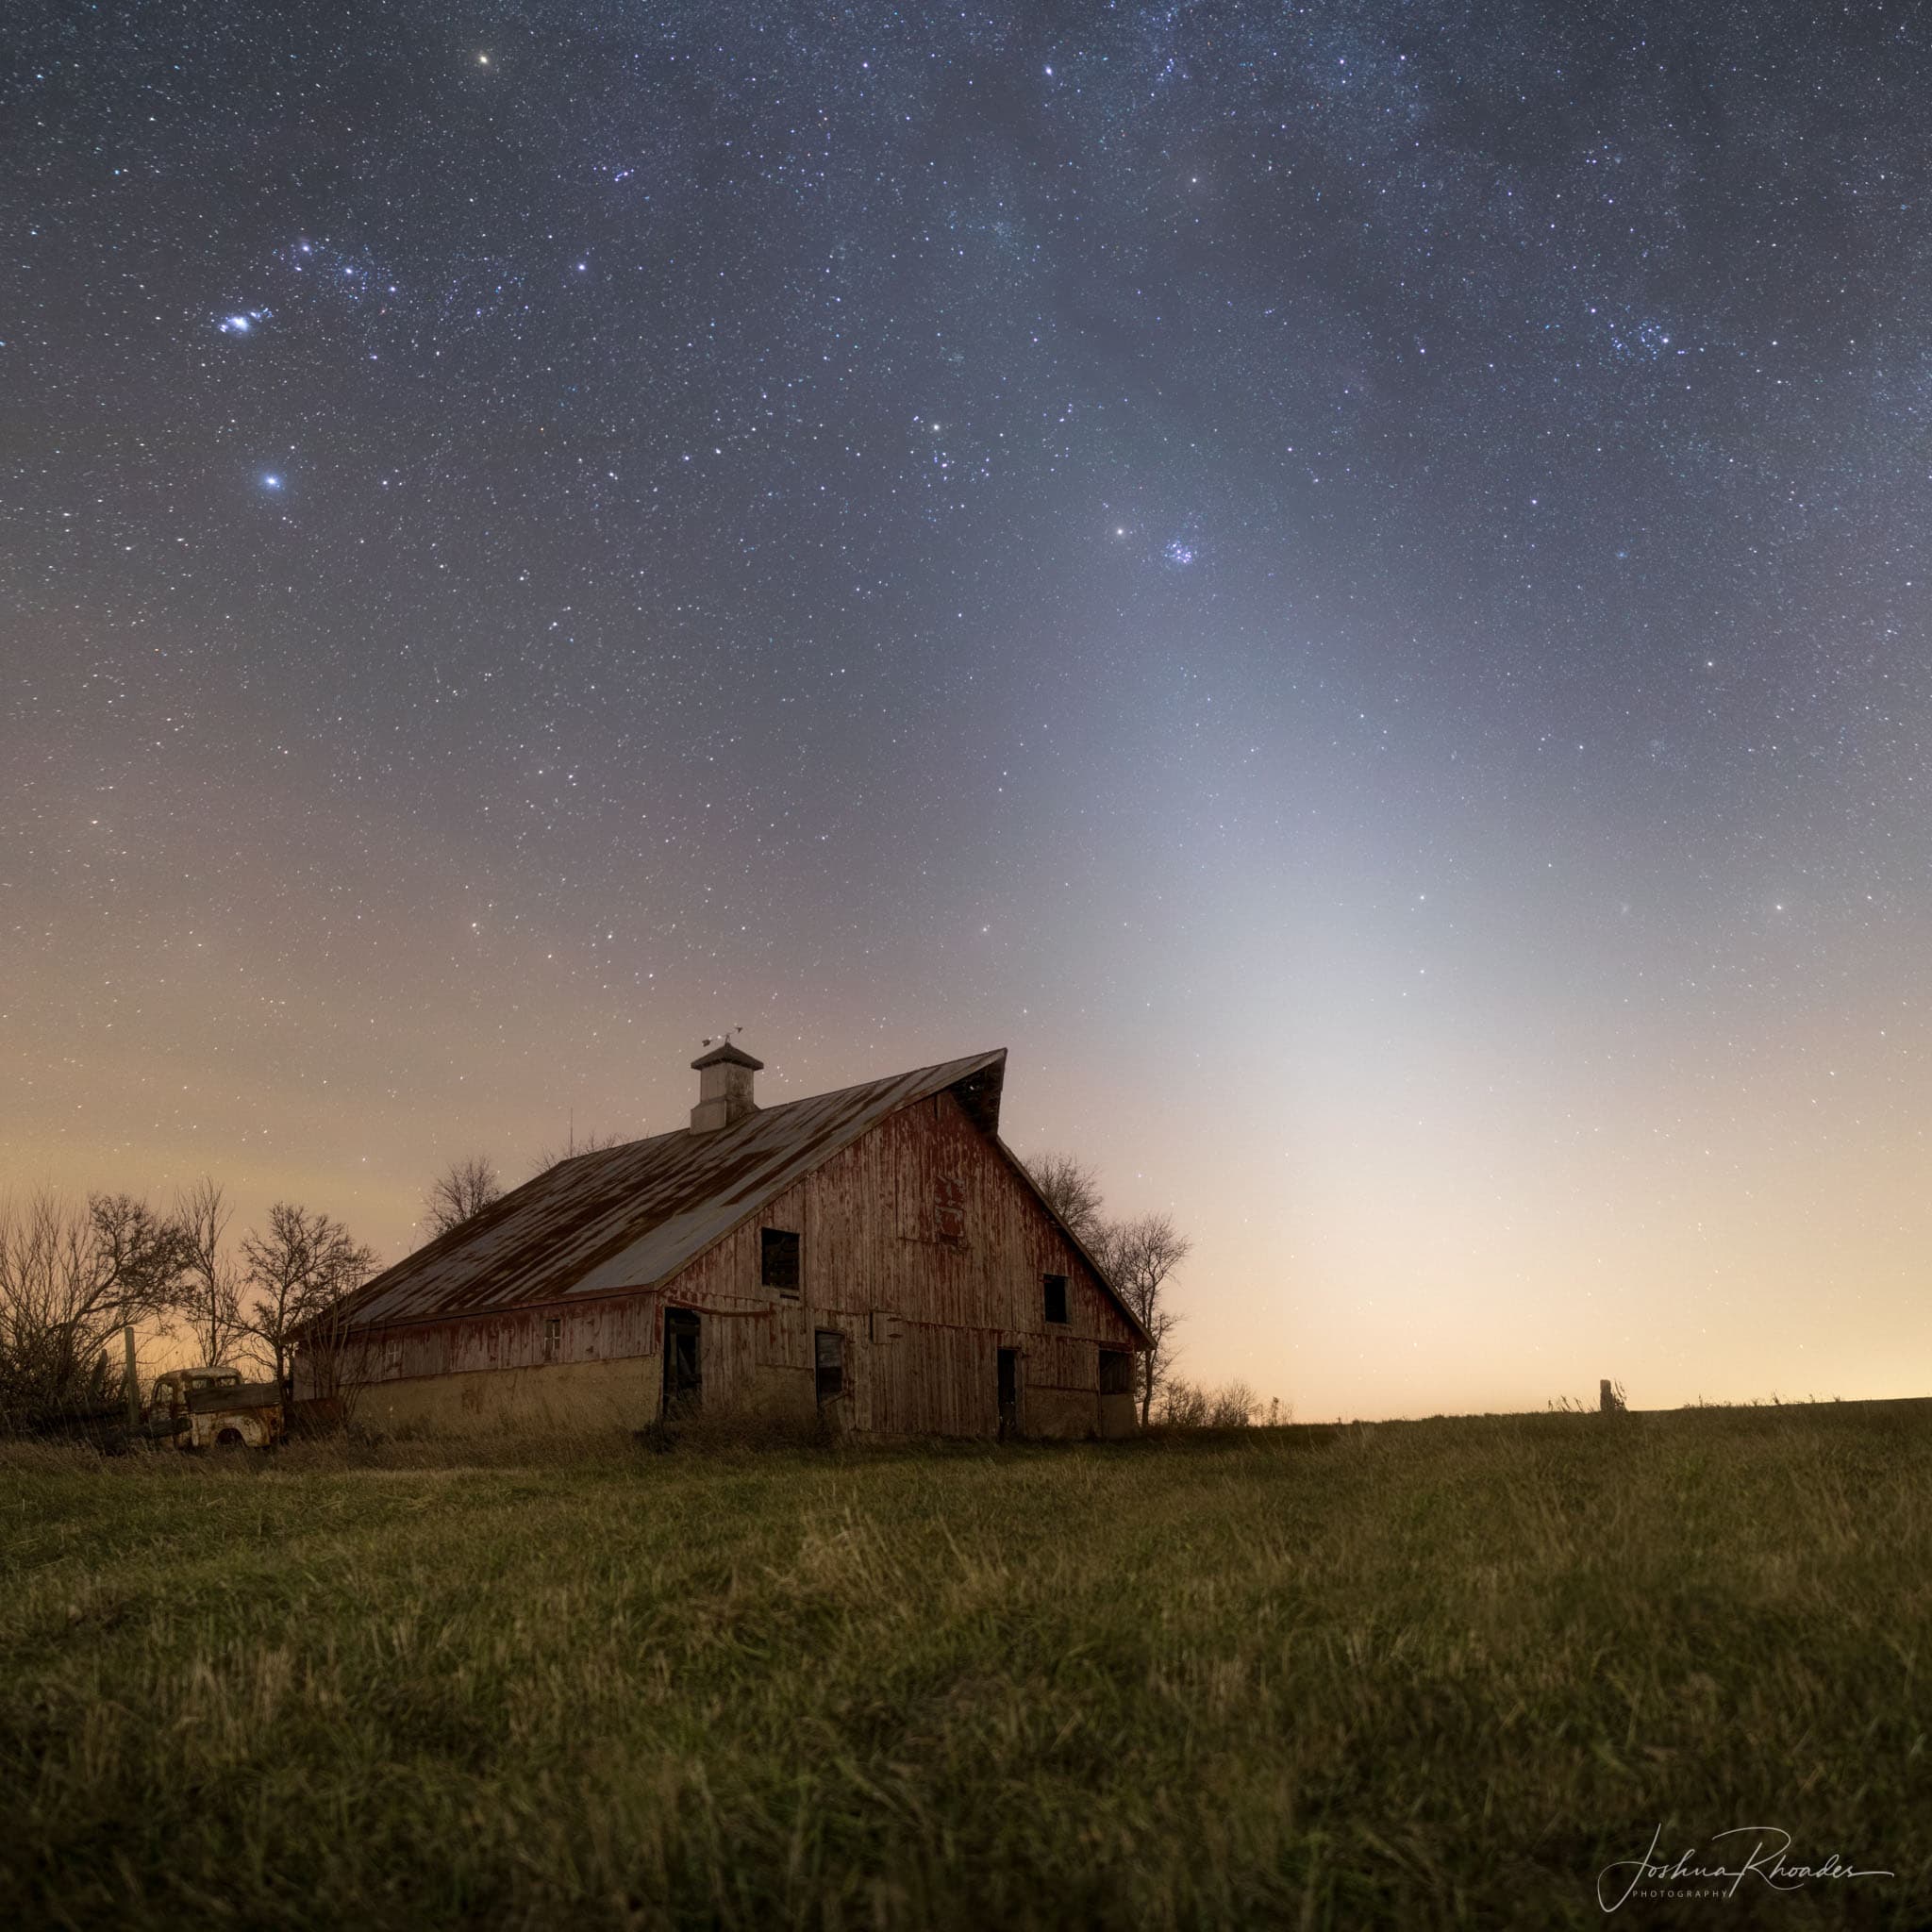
{"points": [[723, 1088]]}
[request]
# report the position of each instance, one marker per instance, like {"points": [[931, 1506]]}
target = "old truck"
{"points": [[213, 1408]]}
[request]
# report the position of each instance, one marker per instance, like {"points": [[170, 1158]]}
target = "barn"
{"points": [[876, 1257]]}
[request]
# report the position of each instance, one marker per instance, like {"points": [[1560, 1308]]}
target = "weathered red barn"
{"points": [[877, 1256]]}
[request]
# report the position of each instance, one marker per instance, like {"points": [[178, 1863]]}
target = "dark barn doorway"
{"points": [[683, 1384], [829, 1359], [1009, 1393]]}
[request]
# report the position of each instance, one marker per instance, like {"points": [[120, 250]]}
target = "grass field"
{"points": [[1421, 1674]]}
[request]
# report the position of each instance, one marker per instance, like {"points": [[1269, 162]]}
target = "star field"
{"points": [[1350, 581]]}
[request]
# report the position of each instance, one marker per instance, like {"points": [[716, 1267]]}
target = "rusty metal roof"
{"points": [[627, 1217]]}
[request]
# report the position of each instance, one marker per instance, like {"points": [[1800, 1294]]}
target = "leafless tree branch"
{"points": [[70, 1277], [1072, 1189], [460, 1193], [1140, 1257], [208, 1295], [300, 1269]]}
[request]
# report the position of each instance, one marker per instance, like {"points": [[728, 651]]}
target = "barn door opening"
{"points": [[829, 1360], [1009, 1393], [683, 1384]]}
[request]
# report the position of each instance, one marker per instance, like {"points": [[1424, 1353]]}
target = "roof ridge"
{"points": [[776, 1107]]}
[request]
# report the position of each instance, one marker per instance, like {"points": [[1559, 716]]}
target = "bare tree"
{"points": [[1139, 1258], [208, 1293], [458, 1193], [1184, 1405], [1072, 1189], [299, 1270], [136, 1250], [1233, 1406], [70, 1277]]}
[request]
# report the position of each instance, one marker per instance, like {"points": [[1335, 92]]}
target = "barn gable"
{"points": [[878, 1258]]}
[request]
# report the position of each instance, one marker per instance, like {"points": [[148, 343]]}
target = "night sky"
{"points": [[1352, 583]]}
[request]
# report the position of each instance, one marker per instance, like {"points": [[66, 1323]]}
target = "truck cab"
{"points": [[213, 1408]]}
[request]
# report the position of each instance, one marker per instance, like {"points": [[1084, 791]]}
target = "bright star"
{"points": [[270, 481]]}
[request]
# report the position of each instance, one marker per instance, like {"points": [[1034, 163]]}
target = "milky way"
{"points": [[1352, 583]]}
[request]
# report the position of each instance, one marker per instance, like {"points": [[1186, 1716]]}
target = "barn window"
{"points": [[553, 1336], [830, 1353], [779, 1260], [1056, 1296], [1116, 1371]]}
